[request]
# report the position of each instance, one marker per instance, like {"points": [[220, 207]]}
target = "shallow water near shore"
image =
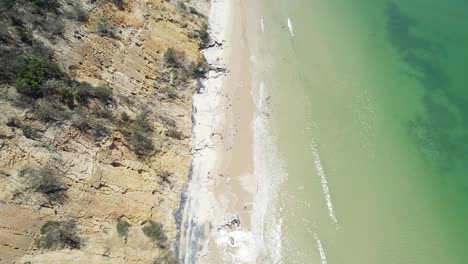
{"points": [[367, 108]]}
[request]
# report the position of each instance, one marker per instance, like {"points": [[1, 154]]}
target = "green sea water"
{"points": [[369, 105]]}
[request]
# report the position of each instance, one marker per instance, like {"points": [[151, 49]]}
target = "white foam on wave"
{"points": [[244, 244], [262, 24], [323, 180], [262, 243], [323, 257], [290, 27], [269, 173]]}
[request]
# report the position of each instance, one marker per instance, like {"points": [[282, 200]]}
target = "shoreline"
{"points": [[216, 217]]}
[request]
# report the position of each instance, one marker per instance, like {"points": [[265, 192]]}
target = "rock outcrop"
{"points": [[104, 179]]}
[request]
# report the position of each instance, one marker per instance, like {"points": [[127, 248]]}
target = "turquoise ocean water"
{"points": [[369, 107]]}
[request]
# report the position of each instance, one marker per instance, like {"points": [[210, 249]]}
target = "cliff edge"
{"points": [[95, 131]]}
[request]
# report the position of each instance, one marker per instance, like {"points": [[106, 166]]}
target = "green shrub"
{"points": [[44, 181], [59, 235], [33, 74], [154, 232], [124, 116], [123, 227]]}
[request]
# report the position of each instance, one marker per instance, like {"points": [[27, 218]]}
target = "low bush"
{"points": [[199, 68], [85, 91], [165, 176], [119, 3], [46, 5], [174, 58], [174, 133], [59, 235], [170, 92], [53, 26], [49, 111], [13, 122], [6, 5], [79, 119], [138, 133], [204, 36], [78, 13], [25, 34], [166, 258], [154, 232], [103, 112], [124, 116], [99, 131], [170, 57], [31, 132], [11, 62], [28, 131], [44, 181], [105, 27], [141, 144], [123, 227]]}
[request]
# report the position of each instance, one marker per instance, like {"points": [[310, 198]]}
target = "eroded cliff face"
{"points": [[104, 179]]}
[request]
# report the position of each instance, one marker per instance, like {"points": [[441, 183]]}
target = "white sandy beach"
{"points": [[222, 185]]}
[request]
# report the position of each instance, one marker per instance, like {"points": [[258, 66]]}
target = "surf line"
{"points": [[323, 258], [323, 180], [262, 25], [290, 27]]}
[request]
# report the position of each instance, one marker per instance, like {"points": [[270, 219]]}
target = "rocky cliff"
{"points": [[94, 159]]}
